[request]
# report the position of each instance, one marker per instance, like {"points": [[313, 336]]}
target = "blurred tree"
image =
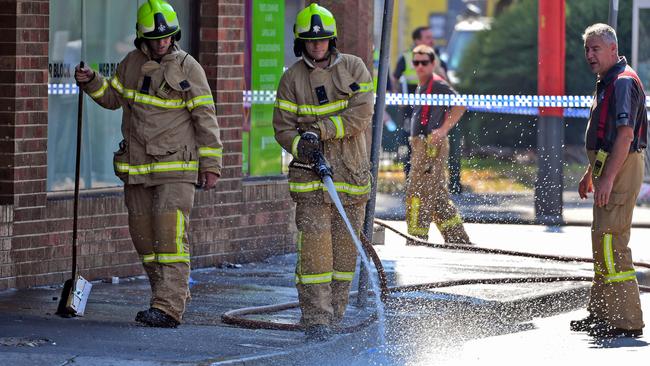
{"points": [[503, 60]]}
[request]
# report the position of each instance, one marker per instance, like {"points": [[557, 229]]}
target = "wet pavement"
{"points": [[506, 324]]}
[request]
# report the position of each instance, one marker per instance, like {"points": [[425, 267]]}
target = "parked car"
{"points": [[464, 32]]}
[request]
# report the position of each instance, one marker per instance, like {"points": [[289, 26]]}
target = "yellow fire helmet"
{"points": [[157, 19], [314, 22]]}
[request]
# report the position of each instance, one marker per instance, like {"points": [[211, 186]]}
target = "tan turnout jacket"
{"points": [[169, 124], [337, 103]]}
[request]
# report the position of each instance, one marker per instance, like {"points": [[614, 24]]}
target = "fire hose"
{"points": [[237, 317]]}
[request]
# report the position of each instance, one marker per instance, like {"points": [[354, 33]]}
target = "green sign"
{"points": [[267, 57]]}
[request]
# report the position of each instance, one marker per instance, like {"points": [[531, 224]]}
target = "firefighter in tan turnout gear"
{"points": [[427, 197], [171, 143], [616, 140], [324, 104]]}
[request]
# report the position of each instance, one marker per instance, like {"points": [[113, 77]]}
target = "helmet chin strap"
{"points": [[326, 58]]}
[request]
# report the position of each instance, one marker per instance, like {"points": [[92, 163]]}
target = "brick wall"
{"points": [[252, 218], [242, 220], [23, 116], [7, 97], [7, 268], [7, 120]]}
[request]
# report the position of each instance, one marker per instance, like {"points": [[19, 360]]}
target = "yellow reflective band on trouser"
{"points": [[342, 276], [180, 232], [199, 101], [100, 92], [313, 279], [341, 187], [210, 152], [338, 125], [608, 253], [148, 258], [608, 256], [173, 258], [454, 221], [180, 256], [286, 105], [166, 258], [294, 146], [171, 166], [621, 277], [414, 212]]}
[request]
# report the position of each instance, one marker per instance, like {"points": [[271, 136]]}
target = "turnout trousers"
{"points": [[158, 223], [427, 196], [614, 291], [326, 260]]}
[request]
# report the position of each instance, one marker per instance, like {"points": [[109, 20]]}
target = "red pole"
{"points": [[551, 52], [550, 125]]}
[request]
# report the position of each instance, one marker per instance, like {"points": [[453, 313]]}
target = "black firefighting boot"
{"points": [[153, 317], [318, 333], [585, 324], [603, 329]]}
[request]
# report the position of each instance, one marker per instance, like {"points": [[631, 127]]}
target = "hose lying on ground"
{"points": [[236, 317]]}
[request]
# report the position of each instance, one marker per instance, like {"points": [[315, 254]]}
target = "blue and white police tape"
{"points": [[61, 89], [574, 105]]}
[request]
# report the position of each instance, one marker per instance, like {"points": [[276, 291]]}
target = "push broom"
{"points": [[76, 289]]}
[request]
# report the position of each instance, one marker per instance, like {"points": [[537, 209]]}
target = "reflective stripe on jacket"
{"points": [[169, 124], [337, 104]]}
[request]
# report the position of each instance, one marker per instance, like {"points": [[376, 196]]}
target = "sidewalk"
{"points": [[447, 326]]}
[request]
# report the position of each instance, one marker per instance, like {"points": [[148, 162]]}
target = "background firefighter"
{"points": [[324, 103], [427, 196], [616, 140], [171, 142], [405, 80]]}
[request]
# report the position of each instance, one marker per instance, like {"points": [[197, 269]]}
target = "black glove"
{"points": [[308, 144]]}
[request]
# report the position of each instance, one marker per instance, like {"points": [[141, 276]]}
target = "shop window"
{"points": [[100, 32]]}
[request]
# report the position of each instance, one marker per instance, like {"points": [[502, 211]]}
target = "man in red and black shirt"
{"points": [[427, 197], [616, 140]]}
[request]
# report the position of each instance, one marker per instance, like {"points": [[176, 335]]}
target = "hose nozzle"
{"points": [[321, 167]]}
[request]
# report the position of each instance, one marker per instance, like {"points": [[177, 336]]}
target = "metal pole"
{"points": [[377, 124], [612, 20], [455, 147], [401, 19], [550, 125], [549, 187]]}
